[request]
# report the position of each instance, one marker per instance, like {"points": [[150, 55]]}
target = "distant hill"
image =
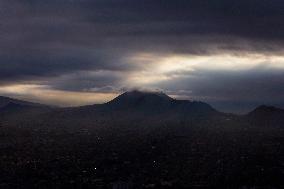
{"points": [[265, 110], [4, 101], [156, 102], [267, 116], [135, 107], [135, 110], [13, 111], [140, 100], [150, 107]]}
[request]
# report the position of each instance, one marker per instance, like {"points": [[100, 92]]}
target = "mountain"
{"points": [[267, 116], [139, 107], [156, 102], [15, 111], [265, 110], [144, 105], [4, 101], [138, 99], [143, 109]]}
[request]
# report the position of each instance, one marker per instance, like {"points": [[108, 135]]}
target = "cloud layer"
{"points": [[225, 52]]}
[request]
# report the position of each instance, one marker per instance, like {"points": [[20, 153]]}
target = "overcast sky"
{"points": [[228, 53]]}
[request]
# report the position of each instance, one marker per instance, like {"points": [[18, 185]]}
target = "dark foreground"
{"points": [[194, 158], [128, 143]]}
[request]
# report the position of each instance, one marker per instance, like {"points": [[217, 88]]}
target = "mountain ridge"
{"points": [[135, 107], [6, 100], [135, 98]]}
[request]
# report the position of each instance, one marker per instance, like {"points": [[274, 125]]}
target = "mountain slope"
{"points": [[137, 99], [135, 107], [268, 116], [13, 111], [156, 102], [138, 107], [4, 101]]}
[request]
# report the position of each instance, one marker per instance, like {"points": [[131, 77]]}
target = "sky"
{"points": [[228, 53]]}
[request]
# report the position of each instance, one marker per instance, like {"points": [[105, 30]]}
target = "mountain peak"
{"points": [[4, 101], [266, 109], [138, 98], [138, 94], [156, 102], [267, 116]]}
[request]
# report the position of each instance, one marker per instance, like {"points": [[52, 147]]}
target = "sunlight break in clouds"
{"points": [[152, 71], [44, 94], [157, 68]]}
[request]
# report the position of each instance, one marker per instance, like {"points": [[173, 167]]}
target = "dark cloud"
{"points": [[57, 42], [88, 81], [236, 91]]}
